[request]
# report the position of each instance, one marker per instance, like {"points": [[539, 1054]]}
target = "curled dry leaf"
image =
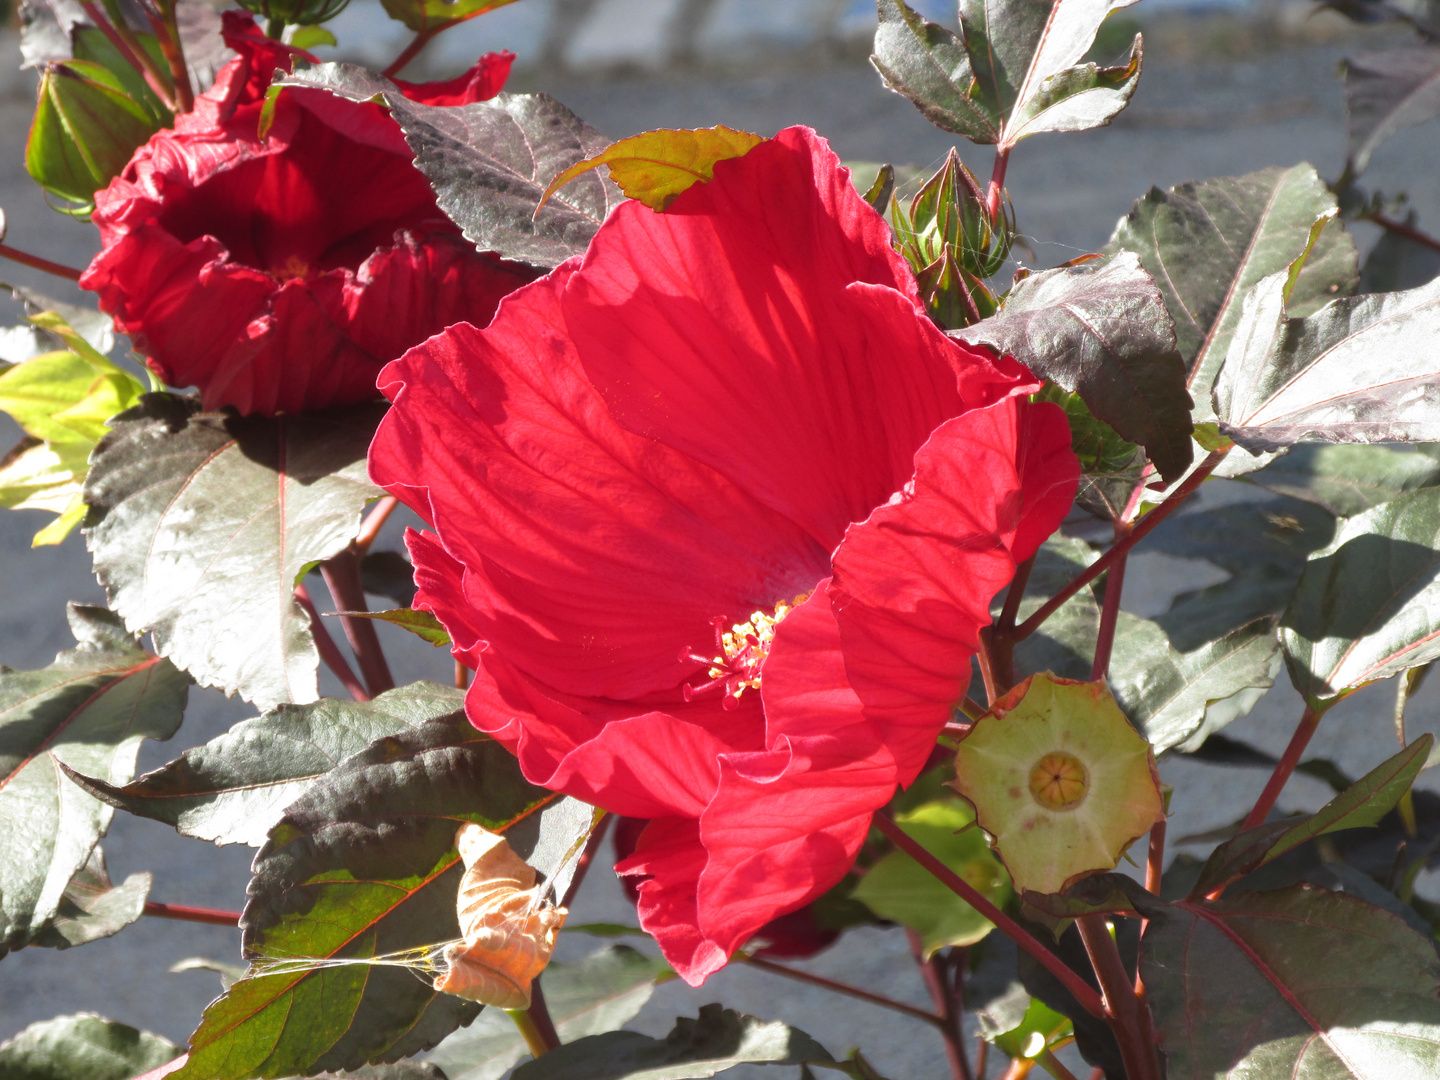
{"points": [[508, 929], [1060, 779]]}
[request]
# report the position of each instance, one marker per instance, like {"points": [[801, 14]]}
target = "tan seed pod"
{"points": [[508, 930]]}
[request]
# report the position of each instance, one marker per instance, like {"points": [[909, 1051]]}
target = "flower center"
{"points": [[740, 652], [293, 267], [1059, 781]]}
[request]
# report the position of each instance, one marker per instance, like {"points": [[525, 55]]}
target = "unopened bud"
{"points": [[296, 12]]}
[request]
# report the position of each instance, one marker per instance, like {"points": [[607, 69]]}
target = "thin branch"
{"points": [[539, 1014], [996, 190], [1014, 596], [462, 676], [167, 34], [1082, 991], [1121, 1005], [1309, 721], [1109, 615], [933, 972], [422, 38], [525, 1024], [342, 577], [128, 46], [185, 913], [35, 262], [379, 514], [840, 988], [329, 651], [986, 659], [1121, 546], [1409, 232], [1054, 1066]]}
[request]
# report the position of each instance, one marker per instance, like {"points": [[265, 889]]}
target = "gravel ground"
{"points": [[1186, 122]]}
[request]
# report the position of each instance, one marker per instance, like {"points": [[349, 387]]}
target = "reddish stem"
{"points": [[1399, 228], [167, 34], [35, 262], [379, 514], [166, 1069], [938, 986], [540, 1017], [185, 913], [1015, 595], [986, 659], [1121, 546], [342, 577], [329, 651], [997, 184], [1309, 721], [1122, 1007], [840, 988], [462, 676], [129, 47], [1082, 991], [422, 38], [1109, 615]]}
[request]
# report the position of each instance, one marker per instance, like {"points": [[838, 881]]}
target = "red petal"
{"points": [[671, 854], [596, 555], [913, 584], [440, 590], [481, 83], [726, 327]]}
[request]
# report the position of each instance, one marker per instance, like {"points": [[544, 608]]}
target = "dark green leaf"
{"points": [[435, 15], [1362, 369], [490, 161], [1101, 330], [1014, 71], [718, 1040], [88, 710], [422, 624], [1297, 983], [1386, 92], [364, 864], [600, 993], [1099, 894], [234, 788], [1207, 243], [1348, 480], [1370, 799], [1368, 606], [83, 1047], [201, 524], [92, 907]]}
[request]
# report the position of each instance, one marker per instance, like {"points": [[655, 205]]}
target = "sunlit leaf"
{"points": [[656, 166], [83, 1047], [1386, 92], [93, 907], [1348, 480]]}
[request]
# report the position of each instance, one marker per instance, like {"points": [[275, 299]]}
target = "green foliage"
{"points": [[422, 624], [900, 889], [234, 788], [1014, 71], [1101, 330], [599, 994], [88, 711], [717, 1040], [1363, 804], [83, 1047], [92, 907], [434, 15], [302, 12], [1348, 480], [1366, 606], [62, 400], [364, 864], [228, 513], [1297, 983]]}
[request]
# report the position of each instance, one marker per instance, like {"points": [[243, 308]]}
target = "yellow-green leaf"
{"points": [[656, 166]]}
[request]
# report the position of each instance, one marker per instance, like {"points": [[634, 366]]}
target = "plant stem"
{"points": [[840, 988], [422, 38], [379, 514], [933, 972], [342, 577], [1014, 596], [540, 1016], [35, 262], [1082, 991], [123, 42], [1052, 1065], [1122, 1007], [462, 676], [1109, 614], [525, 1024], [166, 1069], [329, 651], [1399, 228], [986, 660], [582, 867], [1309, 721], [982, 1057], [997, 184], [1121, 546], [185, 913], [167, 34]]}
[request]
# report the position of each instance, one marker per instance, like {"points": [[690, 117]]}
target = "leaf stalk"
{"points": [[35, 262], [342, 578], [1122, 1006], [840, 988], [186, 913], [329, 651]]}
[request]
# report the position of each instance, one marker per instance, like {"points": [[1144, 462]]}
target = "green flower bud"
{"points": [[297, 12], [85, 131]]}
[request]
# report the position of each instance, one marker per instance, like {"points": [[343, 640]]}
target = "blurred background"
{"points": [[1228, 87]]}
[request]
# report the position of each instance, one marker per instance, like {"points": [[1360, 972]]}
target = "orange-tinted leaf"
{"points": [[656, 166]]}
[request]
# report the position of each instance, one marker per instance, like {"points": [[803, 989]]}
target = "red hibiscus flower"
{"points": [[281, 274], [718, 516]]}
